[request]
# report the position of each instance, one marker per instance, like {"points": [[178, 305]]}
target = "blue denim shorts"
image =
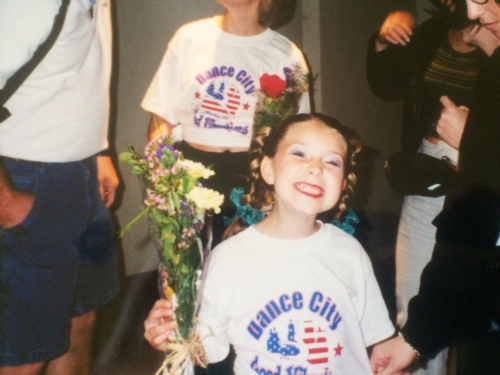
{"points": [[60, 262]]}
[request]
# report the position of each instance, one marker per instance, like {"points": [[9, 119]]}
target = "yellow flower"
{"points": [[204, 198], [169, 292], [194, 169]]}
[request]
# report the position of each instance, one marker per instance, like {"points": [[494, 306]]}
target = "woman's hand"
{"points": [[158, 125], [451, 124], [160, 324], [396, 29]]}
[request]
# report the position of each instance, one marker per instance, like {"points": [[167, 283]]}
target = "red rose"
{"points": [[273, 86]]}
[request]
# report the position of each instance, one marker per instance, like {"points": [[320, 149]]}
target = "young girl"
{"points": [[291, 294]]}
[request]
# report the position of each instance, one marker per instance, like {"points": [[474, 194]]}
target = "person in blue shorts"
{"points": [[57, 252]]}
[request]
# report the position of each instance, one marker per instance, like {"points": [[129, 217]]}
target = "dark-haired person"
{"points": [[420, 66], [459, 296]]}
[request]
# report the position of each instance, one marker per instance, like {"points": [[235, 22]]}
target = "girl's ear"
{"points": [[266, 170]]}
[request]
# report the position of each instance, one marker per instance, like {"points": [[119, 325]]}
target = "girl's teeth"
{"points": [[309, 189]]}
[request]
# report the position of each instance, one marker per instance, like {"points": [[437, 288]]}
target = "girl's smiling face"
{"points": [[308, 169]]}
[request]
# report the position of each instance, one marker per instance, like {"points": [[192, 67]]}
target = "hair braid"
{"points": [[354, 147], [257, 193]]}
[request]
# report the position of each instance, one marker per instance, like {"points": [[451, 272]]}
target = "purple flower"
{"points": [[159, 150], [290, 79], [184, 207]]}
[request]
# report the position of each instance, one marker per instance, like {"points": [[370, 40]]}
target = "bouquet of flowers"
{"points": [[175, 202], [278, 98]]}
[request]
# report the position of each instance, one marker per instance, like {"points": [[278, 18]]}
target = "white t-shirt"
{"points": [[207, 81], [60, 113], [307, 306]]}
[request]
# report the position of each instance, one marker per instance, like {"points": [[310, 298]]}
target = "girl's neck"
{"points": [[241, 22], [287, 227]]}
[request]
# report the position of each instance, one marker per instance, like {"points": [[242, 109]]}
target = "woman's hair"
{"points": [[266, 144], [454, 20], [276, 13]]}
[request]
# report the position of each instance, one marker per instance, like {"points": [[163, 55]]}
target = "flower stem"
{"points": [[127, 227]]}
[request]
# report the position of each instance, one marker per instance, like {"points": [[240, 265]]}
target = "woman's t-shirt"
{"points": [[207, 81]]}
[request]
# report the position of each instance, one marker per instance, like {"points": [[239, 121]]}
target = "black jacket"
{"points": [[398, 73], [459, 293]]}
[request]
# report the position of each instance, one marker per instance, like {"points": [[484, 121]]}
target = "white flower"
{"points": [[204, 198], [194, 169]]}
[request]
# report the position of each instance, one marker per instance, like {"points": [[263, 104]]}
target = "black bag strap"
{"points": [[17, 79]]}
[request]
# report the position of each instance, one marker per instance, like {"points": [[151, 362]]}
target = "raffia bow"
{"points": [[179, 352]]}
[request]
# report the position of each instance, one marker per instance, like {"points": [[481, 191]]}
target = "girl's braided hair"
{"points": [[266, 142]]}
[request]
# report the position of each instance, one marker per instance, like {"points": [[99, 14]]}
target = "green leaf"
{"points": [[185, 269], [185, 184], [168, 237], [125, 156], [169, 253], [176, 200]]}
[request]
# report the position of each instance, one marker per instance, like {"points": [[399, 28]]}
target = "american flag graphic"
{"points": [[315, 340], [228, 104]]}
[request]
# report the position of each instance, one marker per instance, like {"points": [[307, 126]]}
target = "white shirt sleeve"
{"points": [[375, 323], [166, 87], [212, 316]]}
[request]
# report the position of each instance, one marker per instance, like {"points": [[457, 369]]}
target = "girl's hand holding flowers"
{"points": [[159, 324], [175, 203]]}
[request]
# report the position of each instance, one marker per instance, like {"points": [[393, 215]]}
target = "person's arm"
{"points": [[396, 29], [108, 179], [158, 125], [388, 59], [14, 205]]}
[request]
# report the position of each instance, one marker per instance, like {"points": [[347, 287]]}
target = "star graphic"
{"points": [[338, 350], [197, 95], [246, 106]]}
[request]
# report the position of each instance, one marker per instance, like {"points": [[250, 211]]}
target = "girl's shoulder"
{"points": [[238, 241], [342, 241], [332, 230], [283, 42]]}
